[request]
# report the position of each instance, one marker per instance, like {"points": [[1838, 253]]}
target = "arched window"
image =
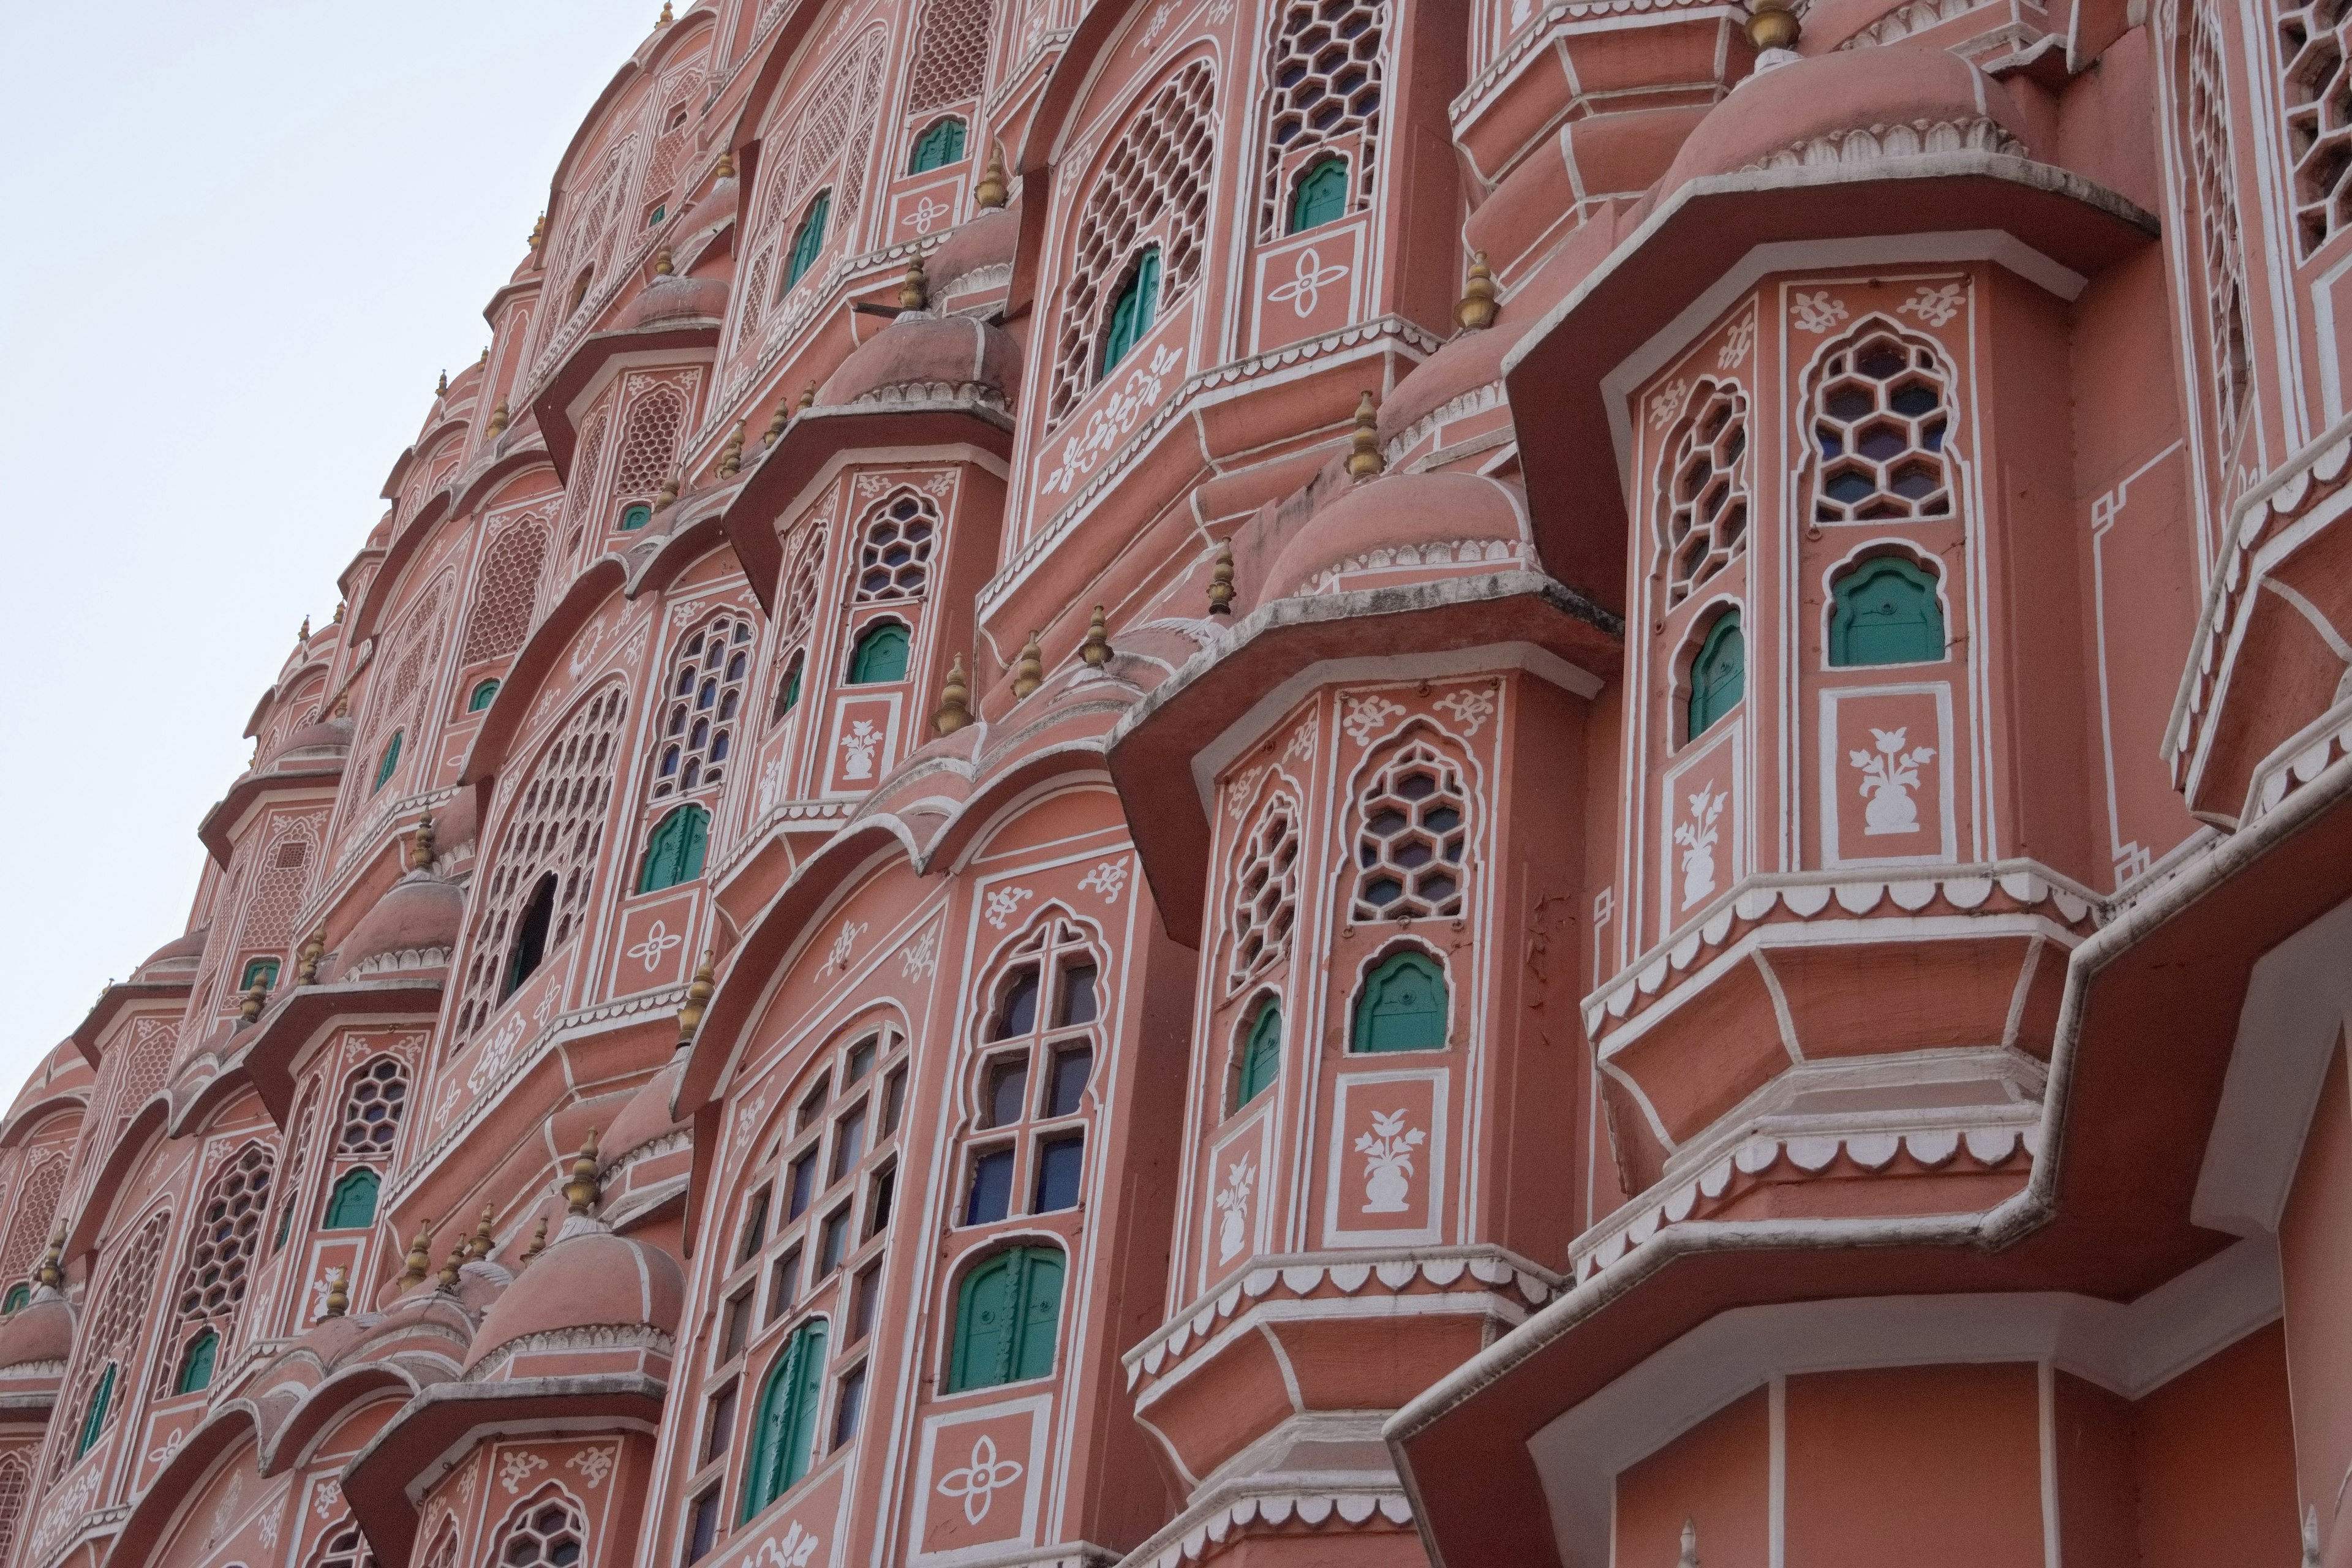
{"points": [[391, 761], [18, 1294], [648, 450], [346, 1547], [547, 1533], [895, 560], [377, 1095], [1402, 1007], [261, 972], [1008, 1312], [16, 1482], [880, 655], [227, 1239], [1133, 312], [1705, 485], [197, 1364], [950, 53], [635, 516], [93, 1420], [1261, 1055], [1323, 67], [674, 850], [783, 1430], [1718, 676], [1881, 415], [352, 1204], [1265, 891], [505, 588], [531, 936], [1410, 838], [938, 147], [484, 693], [1030, 1081], [808, 240], [788, 690], [1886, 613], [706, 692], [1320, 195]]}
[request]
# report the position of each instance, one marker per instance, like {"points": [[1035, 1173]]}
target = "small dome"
{"points": [[1471, 360], [326, 736], [40, 1332], [644, 1119], [716, 206], [1402, 522], [588, 1279], [413, 926], [455, 824], [677, 298], [971, 250], [920, 356], [1849, 105], [180, 952]]}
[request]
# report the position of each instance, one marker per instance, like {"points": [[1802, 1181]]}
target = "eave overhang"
{"points": [[551, 403]]}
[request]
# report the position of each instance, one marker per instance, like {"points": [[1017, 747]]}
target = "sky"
{"points": [[245, 239]]}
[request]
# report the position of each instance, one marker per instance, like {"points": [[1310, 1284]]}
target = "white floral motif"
{"points": [[837, 956], [1736, 341], [227, 1508], [1387, 1151], [1308, 278], [493, 1059], [1469, 707], [1698, 836], [1117, 415], [927, 212], [270, 1529], [1107, 878], [594, 1463], [170, 1446], [1817, 312], [1003, 903], [516, 1468], [747, 1116], [466, 1482], [659, 940], [1233, 1203], [1366, 714], [1667, 402], [1888, 779], [793, 1552], [922, 958], [977, 1483], [858, 748], [771, 785], [327, 1497], [939, 484], [1933, 306], [1240, 788], [1302, 740]]}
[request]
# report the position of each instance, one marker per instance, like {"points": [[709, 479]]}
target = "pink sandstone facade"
{"points": [[1293, 782]]}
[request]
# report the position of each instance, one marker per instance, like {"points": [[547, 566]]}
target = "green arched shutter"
{"points": [[484, 695], [1007, 1316], [1886, 614], [1718, 675], [352, 1204], [784, 1431], [880, 655], [1402, 1007], [94, 1421], [1320, 195], [937, 148], [391, 761], [674, 850], [18, 1294], [1132, 314], [1041, 1313], [1262, 1058], [809, 238], [196, 1365], [636, 517]]}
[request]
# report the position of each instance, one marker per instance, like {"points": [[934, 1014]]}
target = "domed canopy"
{"points": [[677, 298], [1403, 521], [588, 1279], [324, 737], [413, 926], [922, 356], [972, 248], [645, 1118], [40, 1332]]}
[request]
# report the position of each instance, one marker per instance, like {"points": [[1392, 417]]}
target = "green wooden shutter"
{"points": [[937, 148], [1041, 1313], [785, 1425], [196, 1365], [391, 761], [791, 696], [1132, 315], [985, 1309], [674, 849], [636, 517], [809, 239], [1320, 195], [1262, 1058], [808, 1380], [1886, 614], [93, 1423], [880, 655], [18, 1294], [1402, 1007], [352, 1205], [483, 696], [1718, 675]]}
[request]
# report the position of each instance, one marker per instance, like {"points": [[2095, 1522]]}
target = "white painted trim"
{"points": [[1777, 1473], [2045, 1399]]}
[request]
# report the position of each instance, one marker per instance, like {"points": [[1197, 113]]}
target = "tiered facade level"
{"points": [[1291, 782]]}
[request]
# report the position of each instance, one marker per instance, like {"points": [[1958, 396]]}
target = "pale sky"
{"points": [[245, 237]]}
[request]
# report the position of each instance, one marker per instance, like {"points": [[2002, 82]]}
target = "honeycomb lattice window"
{"points": [[2314, 41], [16, 1479], [33, 1208], [345, 1546], [796, 612], [2215, 171], [372, 1107], [123, 1309], [1881, 415], [950, 53], [547, 1534], [895, 561], [805, 145], [1706, 490], [1411, 831], [1265, 891], [670, 131], [505, 592], [1323, 82], [1155, 183], [557, 828], [649, 443], [228, 1237], [704, 699]]}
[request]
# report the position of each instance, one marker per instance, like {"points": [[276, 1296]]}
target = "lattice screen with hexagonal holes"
{"points": [[1323, 77], [1265, 891], [1707, 490], [1412, 830], [227, 1238], [705, 697], [1881, 411], [548, 1535], [345, 1547], [372, 1111], [2315, 40], [895, 561]]}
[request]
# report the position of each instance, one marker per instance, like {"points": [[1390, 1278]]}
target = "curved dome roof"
{"points": [[38, 1333], [920, 356], [589, 1279], [413, 926], [1403, 521], [987, 241], [676, 297], [644, 1119]]}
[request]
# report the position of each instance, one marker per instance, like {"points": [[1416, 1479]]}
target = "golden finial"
{"points": [[420, 1262], [725, 168], [448, 1279], [808, 398], [255, 1000], [955, 702], [580, 1192], [664, 264], [305, 963], [420, 848], [697, 999], [667, 497], [1364, 445], [991, 191], [538, 230], [1028, 669], [339, 608], [776, 422], [483, 363], [343, 705], [441, 387], [1476, 308], [666, 18], [1221, 580], [339, 1300], [1096, 650], [304, 635], [731, 455], [479, 1247], [51, 1273], [538, 1241], [1772, 25], [914, 289], [500, 419]]}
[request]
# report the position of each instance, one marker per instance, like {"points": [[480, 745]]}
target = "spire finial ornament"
{"points": [[777, 421], [1477, 310], [51, 1273], [305, 963], [420, 1262], [1095, 652], [341, 608], [538, 1241], [343, 704], [664, 265], [992, 192], [538, 229], [580, 1192], [666, 18], [441, 387], [808, 398], [725, 168], [1221, 580], [1028, 669], [479, 1247], [698, 998], [667, 497], [1772, 25], [255, 1000], [915, 288], [954, 710], [447, 1281], [730, 456], [338, 1299], [420, 848], [304, 635], [1364, 445], [500, 418]]}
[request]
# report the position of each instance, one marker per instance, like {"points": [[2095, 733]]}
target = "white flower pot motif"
{"points": [[1698, 836], [1887, 780], [858, 749], [1234, 1202], [1388, 1161]]}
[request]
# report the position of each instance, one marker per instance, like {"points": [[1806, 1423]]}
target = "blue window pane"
{"points": [[991, 1188], [1059, 1165]]}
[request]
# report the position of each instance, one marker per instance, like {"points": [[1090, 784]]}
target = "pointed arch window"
{"points": [[549, 1533], [938, 147], [1132, 310], [635, 516], [704, 699], [783, 1430], [1320, 195], [1718, 676], [1886, 613], [1008, 1314], [808, 240], [221, 1260], [1881, 415], [531, 936], [1265, 891], [674, 851], [352, 1204], [101, 1400], [788, 690], [880, 655], [1412, 836], [1402, 1007], [377, 1095], [895, 560], [197, 1364], [18, 1294], [484, 693], [1323, 69], [1261, 1055], [384, 769]]}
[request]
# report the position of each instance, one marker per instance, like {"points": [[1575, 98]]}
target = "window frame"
{"points": [[1319, 170], [1394, 959], [947, 157], [1697, 719]]}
